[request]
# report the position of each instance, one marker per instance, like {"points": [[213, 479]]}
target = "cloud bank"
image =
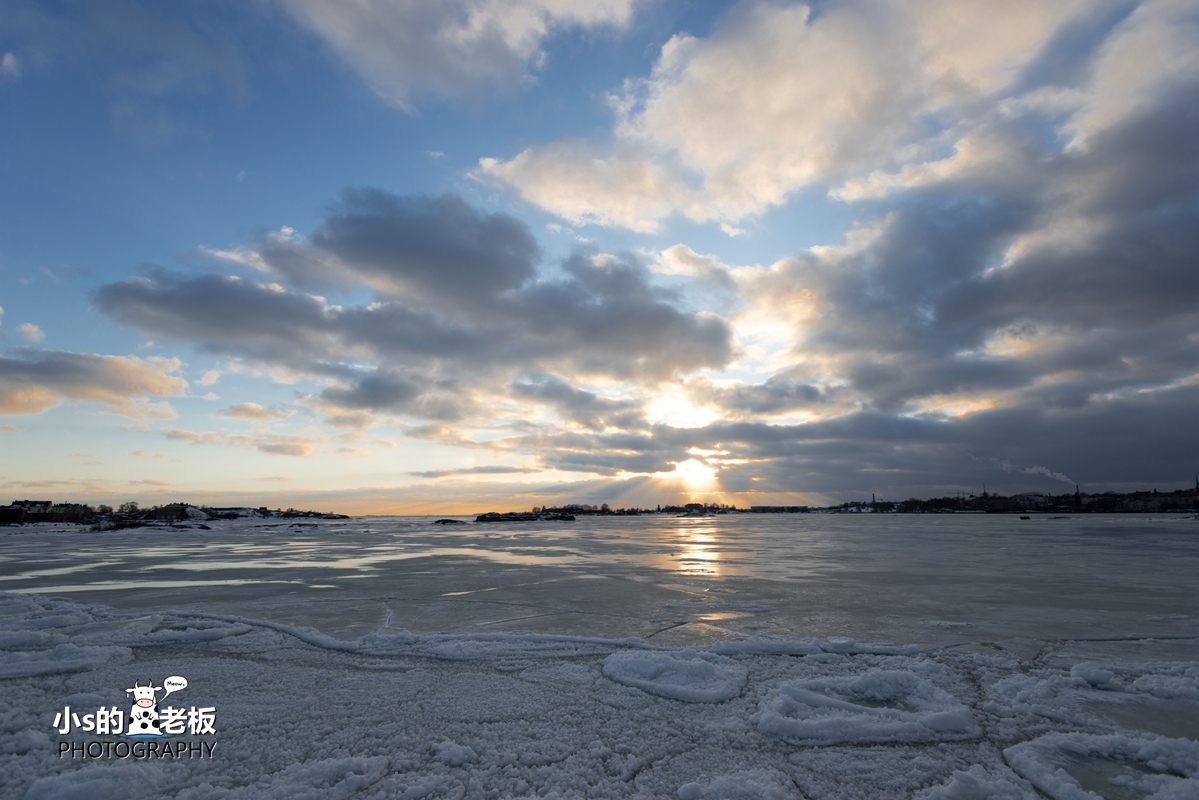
{"points": [[1018, 287]]}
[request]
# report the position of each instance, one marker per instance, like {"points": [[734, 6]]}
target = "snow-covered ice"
{"points": [[708, 658]]}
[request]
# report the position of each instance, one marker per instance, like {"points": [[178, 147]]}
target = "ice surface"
{"points": [[895, 658]]}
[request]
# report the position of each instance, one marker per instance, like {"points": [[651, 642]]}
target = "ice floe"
{"points": [[689, 675], [877, 706], [1150, 767]]}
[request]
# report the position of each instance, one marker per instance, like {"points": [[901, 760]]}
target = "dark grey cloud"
{"points": [[459, 301], [581, 407], [776, 395], [1088, 257], [433, 249]]}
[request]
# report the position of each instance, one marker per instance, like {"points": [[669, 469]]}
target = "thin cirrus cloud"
{"points": [[459, 48], [141, 57], [277, 444]]}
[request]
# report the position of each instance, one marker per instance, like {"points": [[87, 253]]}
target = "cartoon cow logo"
{"points": [[143, 716]]}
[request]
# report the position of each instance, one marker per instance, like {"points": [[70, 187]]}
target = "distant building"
{"points": [[1033, 500], [33, 506]]}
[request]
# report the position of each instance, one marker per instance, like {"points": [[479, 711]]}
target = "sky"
{"points": [[392, 256]]}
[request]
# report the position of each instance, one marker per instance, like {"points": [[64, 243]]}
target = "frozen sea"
{"points": [[777, 656]]}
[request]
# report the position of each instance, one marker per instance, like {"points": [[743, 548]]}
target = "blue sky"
{"points": [[417, 257]]}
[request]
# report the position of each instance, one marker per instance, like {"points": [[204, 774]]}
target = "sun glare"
{"points": [[695, 474], [677, 412]]}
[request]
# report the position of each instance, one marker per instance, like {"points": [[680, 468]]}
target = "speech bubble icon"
{"points": [[174, 684]]}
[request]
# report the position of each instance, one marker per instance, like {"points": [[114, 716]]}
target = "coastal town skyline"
{"points": [[486, 254]]}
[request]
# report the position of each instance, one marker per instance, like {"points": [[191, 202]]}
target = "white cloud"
{"points": [[270, 443], [254, 411], [454, 47], [31, 332], [1156, 47], [209, 378], [10, 67], [41, 379], [779, 98]]}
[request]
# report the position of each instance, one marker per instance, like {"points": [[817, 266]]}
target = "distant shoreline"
{"points": [[131, 515]]}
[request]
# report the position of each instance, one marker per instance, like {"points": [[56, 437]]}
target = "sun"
{"points": [[695, 474]]}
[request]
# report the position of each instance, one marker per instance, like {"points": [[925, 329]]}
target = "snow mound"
{"points": [[1152, 767], [876, 706], [996, 662], [689, 675], [1093, 674], [758, 784], [1170, 681], [453, 754], [975, 784]]}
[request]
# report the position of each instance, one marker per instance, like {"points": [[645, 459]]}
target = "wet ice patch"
{"points": [[689, 675], [976, 783], [877, 706], [1077, 766]]}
